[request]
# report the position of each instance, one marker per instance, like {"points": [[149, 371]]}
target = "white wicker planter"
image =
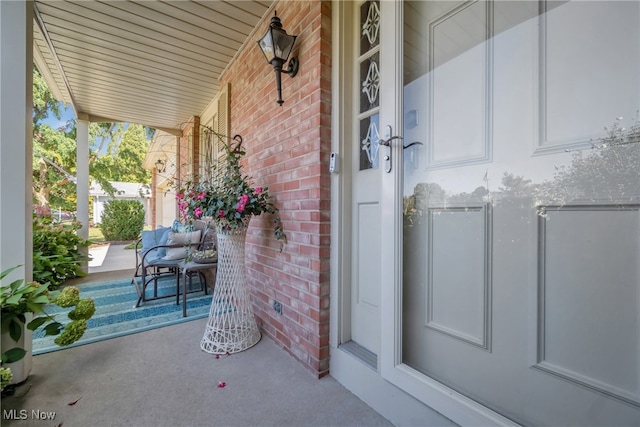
{"points": [[22, 368], [231, 327]]}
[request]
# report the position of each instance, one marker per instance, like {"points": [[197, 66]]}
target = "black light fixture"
{"points": [[160, 166], [276, 45]]}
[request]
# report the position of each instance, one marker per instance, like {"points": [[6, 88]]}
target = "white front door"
{"points": [[366, 174], [511, 255]]}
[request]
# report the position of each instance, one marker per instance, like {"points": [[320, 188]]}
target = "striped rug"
{"points": [[116, 315]]}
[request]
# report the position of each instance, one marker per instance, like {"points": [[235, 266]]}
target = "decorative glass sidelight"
{"points": [[369, 137], [370, 84], [369, 87], [370, 19]]}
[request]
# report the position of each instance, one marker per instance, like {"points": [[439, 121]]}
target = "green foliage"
{"points": [[19, 298], [56, 251], [125, 153], [6, 377], [131, 153], [609, 171], [43, 101], [54, 153], [16, 299], [122, 220], [68, 297], [227, 196], [72, 333], [54, 167]]}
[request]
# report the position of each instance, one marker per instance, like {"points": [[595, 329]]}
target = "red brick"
{"points": [[288, 152]]}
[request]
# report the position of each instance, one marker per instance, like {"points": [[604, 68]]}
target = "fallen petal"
{"points": [[74, 402], [222, 384]]}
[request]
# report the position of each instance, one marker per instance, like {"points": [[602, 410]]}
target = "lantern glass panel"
{"points": [[266, 45], [283, 43]]}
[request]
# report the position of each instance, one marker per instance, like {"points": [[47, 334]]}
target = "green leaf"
{"points": [[34, 308], [36, 323], [53, 328], [16, 284], [14, 299], [15, 330], [6, 272], [13, 355], [42, 299], [40, 290]]}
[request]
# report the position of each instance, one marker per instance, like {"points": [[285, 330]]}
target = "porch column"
{"points": [[178, 173], [82, 183], [16, 137]]}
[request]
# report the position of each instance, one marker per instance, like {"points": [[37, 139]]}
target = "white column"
{"points": [[16, 148], [16, 134], [82, 183]]}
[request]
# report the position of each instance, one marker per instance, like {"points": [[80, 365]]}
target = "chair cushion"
{"points": [[152, 257], [163, 241], [160, 261], [186, 240], [152, 238], [178, 227], [148, 239]]}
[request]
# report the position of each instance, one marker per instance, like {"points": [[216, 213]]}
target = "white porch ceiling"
{"points": [[155, 63]]}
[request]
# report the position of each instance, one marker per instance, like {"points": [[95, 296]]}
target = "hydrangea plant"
{"points": [[19, 298]]}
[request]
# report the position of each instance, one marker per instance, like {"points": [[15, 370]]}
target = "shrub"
{"points": [[122, 220], [56, 251], [19, 298]]}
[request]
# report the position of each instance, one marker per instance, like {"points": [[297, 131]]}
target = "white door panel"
{"points": [[365, 161], [517, 222]]}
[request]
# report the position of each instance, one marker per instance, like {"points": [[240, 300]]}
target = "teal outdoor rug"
{"points": [[116, 315]]}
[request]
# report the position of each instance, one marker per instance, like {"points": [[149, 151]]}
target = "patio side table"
{"points": [[185, 270]]}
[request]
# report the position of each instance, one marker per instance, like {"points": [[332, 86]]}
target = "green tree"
{"points": [[610, 171], [122, 219], [131, 153], [54, 167], [125, 152], [54, 152], [44, 103]]}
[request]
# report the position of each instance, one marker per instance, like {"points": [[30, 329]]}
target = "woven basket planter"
{"points": [[231, 327]]}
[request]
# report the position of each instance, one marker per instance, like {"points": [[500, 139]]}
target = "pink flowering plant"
{"points": [[227, 198]]}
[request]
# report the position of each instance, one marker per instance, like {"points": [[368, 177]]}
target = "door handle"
{"points": [[404, 147], [387, 143]]}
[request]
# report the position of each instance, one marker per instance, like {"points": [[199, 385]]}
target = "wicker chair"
{"points": [[152, 263]]}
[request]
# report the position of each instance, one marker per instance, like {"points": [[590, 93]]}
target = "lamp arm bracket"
{"points": [[292, 68]]}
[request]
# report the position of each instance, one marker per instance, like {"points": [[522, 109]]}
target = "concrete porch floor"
{"points": [[162, 378]]}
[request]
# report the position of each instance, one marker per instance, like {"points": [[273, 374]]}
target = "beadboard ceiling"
{"points": [[155, 63]]}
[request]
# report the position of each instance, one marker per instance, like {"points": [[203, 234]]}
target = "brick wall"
{"points": [[288, 151]]}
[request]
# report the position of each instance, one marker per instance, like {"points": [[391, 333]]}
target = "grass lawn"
{"points": [[95, 235]]}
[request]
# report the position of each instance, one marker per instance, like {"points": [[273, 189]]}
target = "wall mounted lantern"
{"points": [[276, 45], [160, 166]]}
